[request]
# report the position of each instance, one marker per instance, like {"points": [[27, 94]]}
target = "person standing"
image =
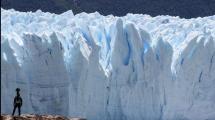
{"points": [[17, 102]]}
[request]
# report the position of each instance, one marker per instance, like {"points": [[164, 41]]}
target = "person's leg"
{"points": [[14, 109], [19, 109]]}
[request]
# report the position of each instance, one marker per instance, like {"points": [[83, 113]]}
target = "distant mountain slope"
{"points": [[54, 6], [182, 8]]}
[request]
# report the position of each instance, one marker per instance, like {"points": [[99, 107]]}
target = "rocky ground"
{"points": [[37, 117]]}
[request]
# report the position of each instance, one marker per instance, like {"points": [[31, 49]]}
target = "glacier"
{"points": [[134, 67]]}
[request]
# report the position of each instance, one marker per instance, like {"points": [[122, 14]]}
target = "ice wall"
{"points": [[112, 68]]}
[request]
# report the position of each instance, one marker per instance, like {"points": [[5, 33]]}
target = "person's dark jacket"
{"points": [[17, 101]]}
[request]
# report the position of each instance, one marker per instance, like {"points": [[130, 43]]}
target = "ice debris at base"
{"points": [[134, 67]]}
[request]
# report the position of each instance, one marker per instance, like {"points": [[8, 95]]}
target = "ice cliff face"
{"points": [[109, 68]]}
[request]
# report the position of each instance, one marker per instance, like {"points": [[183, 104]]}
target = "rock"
{"points": [[37, 117]]}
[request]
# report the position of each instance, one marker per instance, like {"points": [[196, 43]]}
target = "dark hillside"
{"points": [[182, 8]]}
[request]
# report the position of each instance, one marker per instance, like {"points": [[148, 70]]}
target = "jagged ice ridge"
{"points": [[109, 68]]}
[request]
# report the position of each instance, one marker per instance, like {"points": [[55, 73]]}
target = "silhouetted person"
{"points": [[17, 102]]}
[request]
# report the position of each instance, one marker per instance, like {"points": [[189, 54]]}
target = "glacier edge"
{"points": [[104, 67]]}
